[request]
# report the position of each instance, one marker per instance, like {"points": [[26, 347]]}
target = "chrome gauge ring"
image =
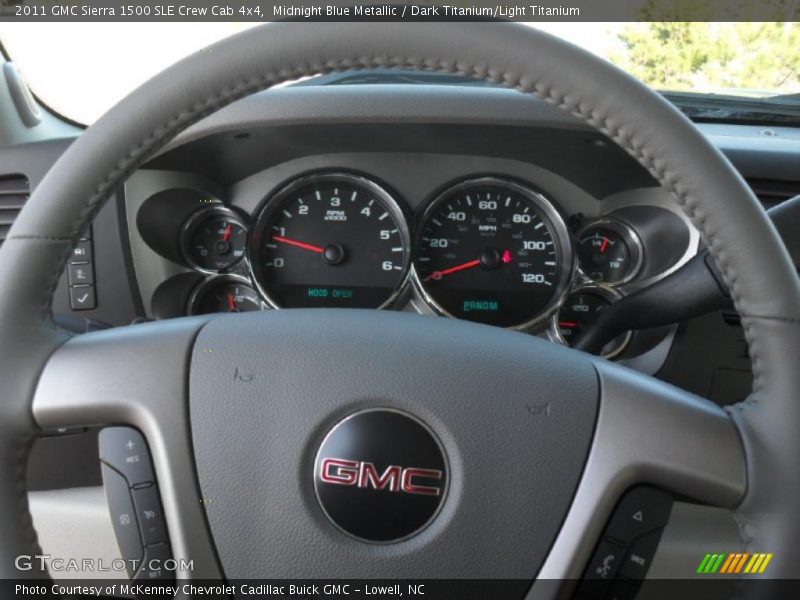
{"points": [[330, 240], [495, 251], [578, 313]]}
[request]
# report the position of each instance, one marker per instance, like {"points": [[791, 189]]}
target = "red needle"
{"points": [[461, 267], [567, 324], [231, 302], [604, 245], [226, 234], [304, 246]]}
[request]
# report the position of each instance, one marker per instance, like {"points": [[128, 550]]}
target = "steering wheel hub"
{"points": [[381, 475], [418, 434]]}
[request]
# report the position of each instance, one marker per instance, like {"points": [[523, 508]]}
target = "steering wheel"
{"points": [[536, 442]]}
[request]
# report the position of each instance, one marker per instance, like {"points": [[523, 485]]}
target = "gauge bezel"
{"points": [[274, 200], [208, 283], [607, 292], [566, 255], [630, 236], [195, 219]]}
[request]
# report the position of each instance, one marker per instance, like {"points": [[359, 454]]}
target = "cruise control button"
{"points": [[152, 567], [640, 555], [640, 511], [124, 449], [123, 516], [151, 517]]}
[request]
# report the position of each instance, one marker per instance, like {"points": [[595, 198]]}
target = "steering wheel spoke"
{"points": [[137, 376], [647, 432]]}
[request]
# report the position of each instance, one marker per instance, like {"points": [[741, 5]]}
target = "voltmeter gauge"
{"points": [[609, 251]]}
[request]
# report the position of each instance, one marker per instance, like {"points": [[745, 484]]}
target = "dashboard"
{"points": [[482, 205], [492, 246], [194, 229]]}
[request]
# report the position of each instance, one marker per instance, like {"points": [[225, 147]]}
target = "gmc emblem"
{"points": [[339, 471]]}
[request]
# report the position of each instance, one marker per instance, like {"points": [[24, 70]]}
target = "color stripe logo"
{"points": [[734, 562]]}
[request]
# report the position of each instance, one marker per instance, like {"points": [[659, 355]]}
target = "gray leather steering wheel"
{"points": [[527, 497]]}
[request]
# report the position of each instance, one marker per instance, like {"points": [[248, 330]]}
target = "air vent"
{"points": [[772, 192], [14, 192]]}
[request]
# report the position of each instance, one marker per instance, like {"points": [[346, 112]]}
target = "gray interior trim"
{"points": [[698, 451], [136, 376], [74, 524], [647, 432]]}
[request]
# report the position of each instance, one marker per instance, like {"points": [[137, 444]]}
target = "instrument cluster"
{"points": [[489, 249]]}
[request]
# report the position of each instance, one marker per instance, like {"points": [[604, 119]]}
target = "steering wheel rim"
{"points": [[747, 248]]}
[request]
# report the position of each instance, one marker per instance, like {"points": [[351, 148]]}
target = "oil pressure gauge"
{"points": [[213, 239]]}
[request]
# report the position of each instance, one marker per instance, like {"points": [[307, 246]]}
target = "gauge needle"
{"points": [[226, 234], [604, 245], [461, 267], [567, 324], [231, 302], [297, 244]]}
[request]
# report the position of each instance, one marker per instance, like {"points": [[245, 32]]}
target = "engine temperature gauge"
{"points": [[579, 312], [609, 251]]}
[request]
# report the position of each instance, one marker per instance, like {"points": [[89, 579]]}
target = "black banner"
{"points": [[701, 588], [419, 10]]}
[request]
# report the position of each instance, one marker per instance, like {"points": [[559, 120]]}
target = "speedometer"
{"points": [[493, 251], [330, 240]]}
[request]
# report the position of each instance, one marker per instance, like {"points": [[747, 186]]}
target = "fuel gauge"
{"points": [[609, 251], [224, 294]]}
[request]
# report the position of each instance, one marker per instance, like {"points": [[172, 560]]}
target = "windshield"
{"points": [[98, 63]]}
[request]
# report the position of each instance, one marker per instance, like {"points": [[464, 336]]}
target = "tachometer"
{"points": [[330, 240], [493, 251]]}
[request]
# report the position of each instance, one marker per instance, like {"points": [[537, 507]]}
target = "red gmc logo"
{"points": [[339, 471]]}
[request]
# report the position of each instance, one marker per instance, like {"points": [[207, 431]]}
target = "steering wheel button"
{"points": [[81, 274], [606, 561], [124, 449], [602, 569], [81, 253], [150, 515], [641, 553], [640, 511], [152, 567], [82, 297], [123, 516]]}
